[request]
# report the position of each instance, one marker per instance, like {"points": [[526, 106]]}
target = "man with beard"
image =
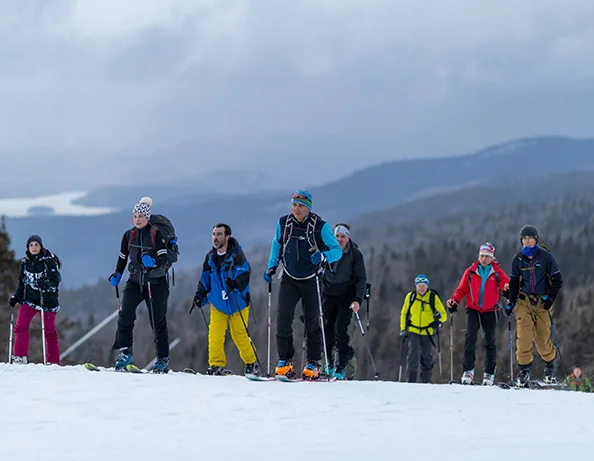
{"points": [[225, 284]]}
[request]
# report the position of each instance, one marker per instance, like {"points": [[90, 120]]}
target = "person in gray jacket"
{"points": [[344, 290]]}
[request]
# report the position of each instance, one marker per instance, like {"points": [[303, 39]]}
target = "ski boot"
{"points": [[524, 376], [311, 371], [339, 374], [251, 369], [124, 359], [467, 377], [214, 370], [550, 375], [19, 360], [285, 368], [161, 365], [488, 379]]}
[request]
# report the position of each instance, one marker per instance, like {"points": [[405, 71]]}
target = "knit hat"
{"points": [[144, 206], [303, 197], [35, 238], [487, 249], [529, 231], [421, 278]]}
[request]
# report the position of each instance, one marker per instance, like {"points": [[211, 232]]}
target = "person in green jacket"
{"points": [[578, 382]]}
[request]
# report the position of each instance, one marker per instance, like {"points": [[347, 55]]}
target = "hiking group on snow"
{"points": [[323, 268]]}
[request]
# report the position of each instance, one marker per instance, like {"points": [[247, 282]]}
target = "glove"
{"points": [[268, 274], [198, 301], [437, 316], [508, 309], [231, 284], [13, 301], [506, 294], [453, 307], [318, 257], [115, 279], [42, 284], [403, 334], [547, 303], [148, 261]]}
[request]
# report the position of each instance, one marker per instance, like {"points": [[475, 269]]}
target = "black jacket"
{"points": [[348, 275], [135, 243], [39, 278]]}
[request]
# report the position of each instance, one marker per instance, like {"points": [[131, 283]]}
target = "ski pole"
{"points": [[451, 348], [269, 326], [367, 296], [246, 329], [401, 359], [204, 317], [152, 313], [322, 323], [43, 331], [117, 290], [509, 346], [375, 373], [439, 351], [11, 333], [556, 342]]}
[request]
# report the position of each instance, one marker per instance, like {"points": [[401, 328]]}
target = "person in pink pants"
{"points": [[37, 291]]}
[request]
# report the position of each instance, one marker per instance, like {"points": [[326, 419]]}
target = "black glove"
{"points": [[42, 284], [231, 284], [509, 309], [506, 294], [453, 308], [548, 303], [198, 300], [437, 316], [403, 334], [13, 301]]}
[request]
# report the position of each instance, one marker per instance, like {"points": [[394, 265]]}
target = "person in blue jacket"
{"points": [[304, 243], [225, 284]]}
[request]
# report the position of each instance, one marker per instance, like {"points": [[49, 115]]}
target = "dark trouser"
{"points": [[132, 297], [291, 291], [474, 321], [337, 316], [419, 346]]}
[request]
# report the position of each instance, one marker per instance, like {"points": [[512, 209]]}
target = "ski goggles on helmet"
{"points": [[300, 197], [421, 279]]}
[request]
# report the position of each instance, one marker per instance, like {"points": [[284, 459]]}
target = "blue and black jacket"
{"points": [[537, 276], [295, 242], [212, 285]]}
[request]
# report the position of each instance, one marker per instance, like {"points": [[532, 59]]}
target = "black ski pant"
{"points": [[419, 346], [133, 295], [474, 321], [337, 316], [291, 291]]}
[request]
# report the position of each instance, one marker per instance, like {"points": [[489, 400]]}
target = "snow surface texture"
{"points": [[60, 203], [69, 413]]}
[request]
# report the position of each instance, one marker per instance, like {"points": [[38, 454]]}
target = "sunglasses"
{"points": [[422, 280]]}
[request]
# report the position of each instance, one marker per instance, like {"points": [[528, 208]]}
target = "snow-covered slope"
{"points": [[69, 413]]}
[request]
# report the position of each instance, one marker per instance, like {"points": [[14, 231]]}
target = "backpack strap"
{"points": [[153, 236]]}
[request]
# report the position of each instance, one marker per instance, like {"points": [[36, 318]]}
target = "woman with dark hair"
{"points": [[37, 291]]}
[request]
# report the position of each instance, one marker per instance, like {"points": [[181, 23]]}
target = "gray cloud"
{"points": [[434, 77]]}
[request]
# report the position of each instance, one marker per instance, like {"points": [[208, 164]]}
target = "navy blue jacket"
{"points": [[295, 242], [538, 275]]}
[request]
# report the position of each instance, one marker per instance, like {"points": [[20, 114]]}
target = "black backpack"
{"points": [[161, 222]]}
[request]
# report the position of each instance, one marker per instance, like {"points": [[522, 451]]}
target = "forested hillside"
{"points": [[442, 249]]}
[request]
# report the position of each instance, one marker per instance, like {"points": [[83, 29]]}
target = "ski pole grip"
{"points": [[270, 288], [117, 292]]}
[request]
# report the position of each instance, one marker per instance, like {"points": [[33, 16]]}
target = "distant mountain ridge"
{"points": [[89, 245]]}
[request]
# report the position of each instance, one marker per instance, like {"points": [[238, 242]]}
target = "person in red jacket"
{"points": [[481, 285]]}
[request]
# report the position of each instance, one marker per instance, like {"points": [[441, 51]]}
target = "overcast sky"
{"points": [[439, 77]]}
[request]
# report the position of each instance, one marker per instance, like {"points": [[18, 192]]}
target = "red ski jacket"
{"points": [[470, 286]]}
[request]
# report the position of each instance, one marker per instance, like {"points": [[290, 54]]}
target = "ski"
{"points": [[194, 372], [285, 379], [253, 377], [129, 368]]}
